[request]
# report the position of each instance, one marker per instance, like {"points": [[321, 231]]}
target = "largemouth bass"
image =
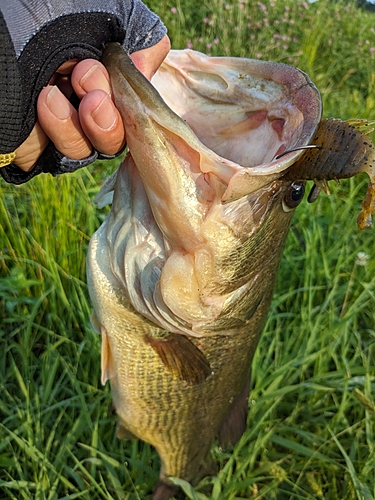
{"points": [[181, 273]]}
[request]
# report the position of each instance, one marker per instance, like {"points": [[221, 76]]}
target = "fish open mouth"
{"points": [[244, 110], [238, 116], [202, 173]]}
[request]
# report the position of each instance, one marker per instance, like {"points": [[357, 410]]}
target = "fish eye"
{"points": [[293, 196]]}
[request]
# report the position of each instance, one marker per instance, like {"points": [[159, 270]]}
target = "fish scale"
{"points": [[182, 271], [179, 419], [170, 414]]}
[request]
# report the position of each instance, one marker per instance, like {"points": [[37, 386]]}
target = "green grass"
{"points": [[311, 428]]}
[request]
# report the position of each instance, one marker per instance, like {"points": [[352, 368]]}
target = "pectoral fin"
{"points": [[106, 357], [181, 357]]}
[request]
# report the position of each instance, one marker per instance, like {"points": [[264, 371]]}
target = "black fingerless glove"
{"points": [[36, 37]]}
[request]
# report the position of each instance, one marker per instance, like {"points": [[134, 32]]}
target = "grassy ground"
{"points": [[311, 428]]}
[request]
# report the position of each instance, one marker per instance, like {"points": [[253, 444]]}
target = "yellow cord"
{"points": [[7, 158]]}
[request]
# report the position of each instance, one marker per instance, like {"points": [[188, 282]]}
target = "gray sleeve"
{"points": [[24, 18], [144, 28]]}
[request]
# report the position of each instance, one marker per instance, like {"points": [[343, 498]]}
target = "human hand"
{"points": [[97, 123]]}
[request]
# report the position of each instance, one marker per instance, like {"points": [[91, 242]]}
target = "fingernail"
{"points": [[104, 115], [58, 104], [94, 79]]}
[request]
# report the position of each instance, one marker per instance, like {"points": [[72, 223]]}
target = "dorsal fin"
{"points": [[234, 423]]}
